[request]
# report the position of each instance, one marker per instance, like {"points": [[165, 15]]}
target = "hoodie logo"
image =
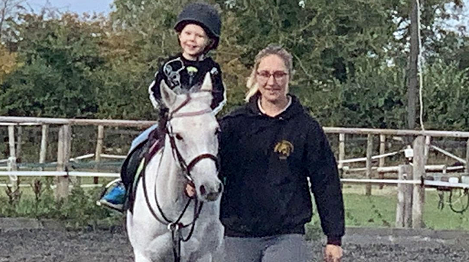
{"points": [[284, 149]]}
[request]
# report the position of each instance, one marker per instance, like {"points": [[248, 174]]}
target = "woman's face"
{"points": [[272, 78]]}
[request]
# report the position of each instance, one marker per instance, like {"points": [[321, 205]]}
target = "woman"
{"points": [[269, 148]]}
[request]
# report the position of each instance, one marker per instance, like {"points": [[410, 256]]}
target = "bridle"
{"points": [[186, 168], [176, 225]]}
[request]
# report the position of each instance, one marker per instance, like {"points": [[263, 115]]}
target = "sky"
{"points": [[78, 6]]}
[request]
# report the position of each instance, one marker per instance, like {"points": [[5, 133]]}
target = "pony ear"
{"points": [[167, 95], [207, 84]]}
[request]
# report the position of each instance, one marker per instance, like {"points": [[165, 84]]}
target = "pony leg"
{"points": [[206, 258], [160, 249], [140, 257]]}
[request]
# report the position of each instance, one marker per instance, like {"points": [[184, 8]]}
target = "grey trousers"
{"points": [[285, 248]]}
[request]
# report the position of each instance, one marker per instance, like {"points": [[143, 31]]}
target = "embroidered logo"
{"points": [[284, 149]]}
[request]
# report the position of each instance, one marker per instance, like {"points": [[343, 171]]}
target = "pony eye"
{"points": [[178, 137]]}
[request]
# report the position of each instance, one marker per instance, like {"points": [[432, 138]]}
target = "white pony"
{"points": [[166, 225]]}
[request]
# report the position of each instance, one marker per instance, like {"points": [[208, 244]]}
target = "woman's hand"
{"points": [[332, 253], [190, 190]]}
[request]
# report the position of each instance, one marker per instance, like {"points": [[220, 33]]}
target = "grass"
{"points": [[379, 209], [78, 211]]}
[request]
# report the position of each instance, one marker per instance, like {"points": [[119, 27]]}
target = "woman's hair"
{"points": [[253, 88]]}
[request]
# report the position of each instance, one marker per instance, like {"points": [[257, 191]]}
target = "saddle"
{"points": [[134, 163]]}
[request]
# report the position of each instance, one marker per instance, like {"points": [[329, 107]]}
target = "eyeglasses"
{"points": [[264, 76]]}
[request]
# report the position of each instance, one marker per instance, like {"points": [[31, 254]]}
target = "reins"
{"points": [[176, 226]]}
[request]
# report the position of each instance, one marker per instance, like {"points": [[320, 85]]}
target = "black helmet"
{"points": [[204, 15]]}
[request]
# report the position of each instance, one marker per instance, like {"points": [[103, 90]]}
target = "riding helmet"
{"points": [[204, 15]]}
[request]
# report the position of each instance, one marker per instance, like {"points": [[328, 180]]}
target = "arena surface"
{"points": [[27, 245]]}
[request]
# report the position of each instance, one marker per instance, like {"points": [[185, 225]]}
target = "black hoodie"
{"points": [[265, 163]]}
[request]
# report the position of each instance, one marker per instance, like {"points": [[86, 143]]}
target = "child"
{"points": [[198, 27]]}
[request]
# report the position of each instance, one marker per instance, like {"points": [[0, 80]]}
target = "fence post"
{"points": [[63, 157], [369, 152], [408, 194], [382, 150], [12, 166], [428, 140], [99, 150], [341, 149], [404, 198], [400, 209], [43, 152], [19, 141], [419, 189], [11, 140], [467, 157]]}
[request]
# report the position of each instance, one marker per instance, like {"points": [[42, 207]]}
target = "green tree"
{"points": [[9, 9], [347, 54], [326, 39], [445, 92], [57, 79], [7, 62], [375, 97], [350, 57]]}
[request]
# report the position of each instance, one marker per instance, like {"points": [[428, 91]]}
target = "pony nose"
{"points": [[213, 194]]}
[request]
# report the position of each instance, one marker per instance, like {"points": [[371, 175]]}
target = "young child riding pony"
{"points": [[198, 27]]}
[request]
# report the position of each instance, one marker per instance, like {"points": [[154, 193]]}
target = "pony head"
{"points": [[192, 133]]}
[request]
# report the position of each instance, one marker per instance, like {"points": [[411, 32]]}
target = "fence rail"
{"points": [[9, 120], [58, 174], [394, 132], [419, 149]]}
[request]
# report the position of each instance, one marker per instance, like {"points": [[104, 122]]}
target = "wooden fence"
{"points": [[409, 211], [421, 145], [64, 140]]}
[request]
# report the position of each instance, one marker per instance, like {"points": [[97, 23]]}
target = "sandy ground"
{"points": [[60, 245]]}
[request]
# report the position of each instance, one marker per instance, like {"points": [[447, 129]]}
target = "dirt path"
{"points": [[59, 245]]}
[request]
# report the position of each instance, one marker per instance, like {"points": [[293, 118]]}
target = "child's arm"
{"points": [[218, 90], [154, 88]]}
